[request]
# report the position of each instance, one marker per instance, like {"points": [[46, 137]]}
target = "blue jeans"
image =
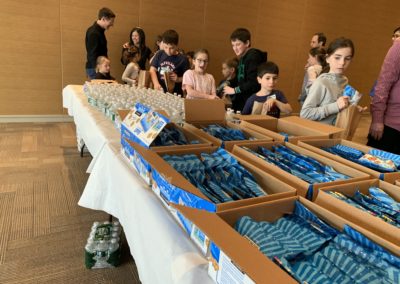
{"points": [[91, 73]]}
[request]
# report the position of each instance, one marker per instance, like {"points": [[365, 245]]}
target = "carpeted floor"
{"points": [[42, 229]]}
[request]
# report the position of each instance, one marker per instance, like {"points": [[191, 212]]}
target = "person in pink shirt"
{"points": [[197, 83], [384, 132]]}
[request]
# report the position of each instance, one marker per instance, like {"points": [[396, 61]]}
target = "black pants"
{"points": [[390, 141]]}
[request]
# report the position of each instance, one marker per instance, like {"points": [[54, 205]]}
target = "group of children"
{"points": [[171, 71]]}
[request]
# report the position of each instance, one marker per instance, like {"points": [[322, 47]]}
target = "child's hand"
{"points": [[268, 105], [342, 102], [157, 86], [173, 76], [229, 90]]}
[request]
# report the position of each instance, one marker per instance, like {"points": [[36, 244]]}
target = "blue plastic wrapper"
{"points": [[223, 133]]}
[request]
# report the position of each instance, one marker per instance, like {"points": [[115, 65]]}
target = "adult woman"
{"points": [[136, 38]]}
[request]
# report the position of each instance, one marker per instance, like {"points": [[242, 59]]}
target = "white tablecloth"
{"points": [[162, 251]]}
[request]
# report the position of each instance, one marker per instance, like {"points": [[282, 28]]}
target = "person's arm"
{"points": [[312, 108], [91, 48], [388, 76], [126, 76], [213, 89], [248, 107], [154, 79], [125, 56], [284, 107]]}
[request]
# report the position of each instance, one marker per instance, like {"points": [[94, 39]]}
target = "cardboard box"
{"points": [[330, 130], [315, 145], [235, 257], [172, 187], [142, 167], [357, 216], [201, 113], [304, 188], [257, 119], [272, 128]]}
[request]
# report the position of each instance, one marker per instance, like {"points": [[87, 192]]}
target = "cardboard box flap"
{"points": [[163, 167], [197, 110], [306, 123], [145, 124], [245, 256], [123, 113]]}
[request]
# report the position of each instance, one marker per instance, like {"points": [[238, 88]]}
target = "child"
{"points": [[229, 68], [249, 59], [316, 63], [324, 100], [132, 70], [197, 83], [169, 61], [103, 69], [268, 100]]}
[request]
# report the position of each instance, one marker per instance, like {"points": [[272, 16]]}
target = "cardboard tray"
{"points": [[303, 188], [246, 259], [272, 128], [178, 187], [357, 216], [332, 131], [315, 145]]}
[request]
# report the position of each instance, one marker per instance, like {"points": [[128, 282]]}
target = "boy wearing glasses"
{"points": [[168, 65]]}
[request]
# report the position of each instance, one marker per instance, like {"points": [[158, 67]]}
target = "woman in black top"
{"points": [[136, 38]]}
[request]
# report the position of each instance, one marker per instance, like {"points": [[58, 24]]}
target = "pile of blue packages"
{"points": [[224, 133], [218, 175], [172, 136], [375, 159], [312, 251], [303, 167], [378, 203]]}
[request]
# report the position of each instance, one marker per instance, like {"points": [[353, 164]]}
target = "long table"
{"points": [[162, 251]]}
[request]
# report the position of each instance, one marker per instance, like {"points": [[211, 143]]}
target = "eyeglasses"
{"points": [[202, 61]]}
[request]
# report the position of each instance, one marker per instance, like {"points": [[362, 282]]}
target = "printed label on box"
{"points": [[145, 124], [200, 239], [229, 273]]}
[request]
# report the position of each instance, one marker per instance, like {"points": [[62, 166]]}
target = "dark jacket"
{"points": [[96, 45], [247, 77]]}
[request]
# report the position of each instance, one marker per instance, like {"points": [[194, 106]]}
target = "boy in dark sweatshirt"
{"points": [[249, 59]]}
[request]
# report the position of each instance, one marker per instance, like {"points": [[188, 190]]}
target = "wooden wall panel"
{"points": [[30, 75], [43, 50]]}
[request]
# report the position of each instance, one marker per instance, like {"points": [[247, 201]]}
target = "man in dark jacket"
{"points": [[249, 59], [95, 40]]}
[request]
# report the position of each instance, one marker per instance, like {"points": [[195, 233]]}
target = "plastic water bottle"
{"points": [[101, 255], [114, 253], [90, 253], [229, 115]]}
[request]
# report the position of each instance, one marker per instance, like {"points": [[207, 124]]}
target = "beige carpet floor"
{"points": [[42, 229]]}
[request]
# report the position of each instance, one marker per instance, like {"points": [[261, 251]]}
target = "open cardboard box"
{"points": [[304, 188], [140, 164], [172, 187], [315, 145], [235, 257], [357, 216], [332, 131], [257, 119], [201, 113], [295, 131]]}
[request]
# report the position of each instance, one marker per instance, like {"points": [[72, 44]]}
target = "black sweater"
{"points": [[247, 77], [96, 44]]}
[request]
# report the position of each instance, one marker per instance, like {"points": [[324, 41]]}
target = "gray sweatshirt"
{"points": [[320, 104]]}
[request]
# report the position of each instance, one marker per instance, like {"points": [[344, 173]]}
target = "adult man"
{"points": [[384, 132], [317, 40], [95, 40], [249, 59]]}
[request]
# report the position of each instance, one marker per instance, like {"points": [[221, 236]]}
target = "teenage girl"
{"points": [[324, 100], [197, 83]]}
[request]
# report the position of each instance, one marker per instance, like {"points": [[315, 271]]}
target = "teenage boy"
{"points": [[268, 100], [169, 62], [249, 59], [95, 40]]}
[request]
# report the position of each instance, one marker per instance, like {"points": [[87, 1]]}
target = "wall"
{"points": [[42, 48]]}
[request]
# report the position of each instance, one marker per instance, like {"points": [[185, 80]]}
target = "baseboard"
{"points": [[35, 118]]}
